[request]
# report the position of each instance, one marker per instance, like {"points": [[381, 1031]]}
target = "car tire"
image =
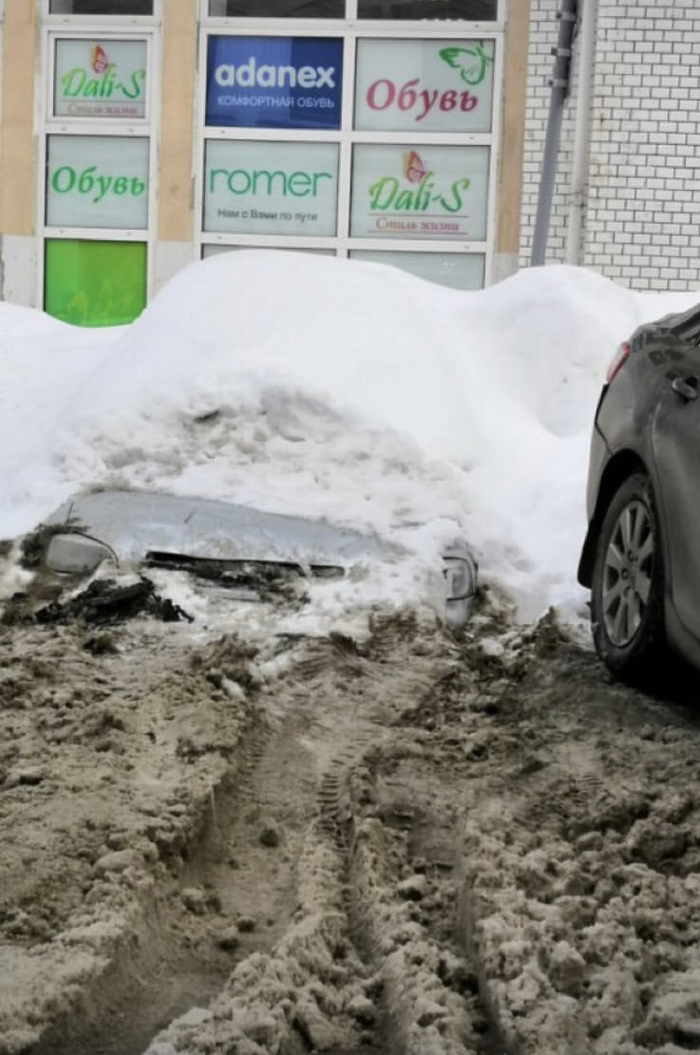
{"points": [[627, 591]]}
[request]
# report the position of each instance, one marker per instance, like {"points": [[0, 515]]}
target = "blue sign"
{"points": [[274, 82]]}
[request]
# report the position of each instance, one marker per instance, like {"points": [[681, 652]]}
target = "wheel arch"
{"points": [[618, 469]]}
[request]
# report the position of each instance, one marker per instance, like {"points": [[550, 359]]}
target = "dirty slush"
{"points": [[406, 844]]}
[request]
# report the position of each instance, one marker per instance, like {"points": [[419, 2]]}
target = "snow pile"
{"points": [[336, 389]]}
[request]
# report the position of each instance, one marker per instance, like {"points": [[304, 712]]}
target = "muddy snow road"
{"points": [[403, 845]]}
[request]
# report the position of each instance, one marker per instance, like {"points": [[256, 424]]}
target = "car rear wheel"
{"points": [[628, 581]]}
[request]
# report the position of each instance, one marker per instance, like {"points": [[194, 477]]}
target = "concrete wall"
{"points": [[18, 172], [509, 189], [173, 248]]}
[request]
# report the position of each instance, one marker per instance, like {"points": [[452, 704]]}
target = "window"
{"points": [[95, 283], [97, 181], [101, 7], [463, 10], [100, 78], [419, 191], [456, 270], [99, 157], [424, 85], [277, 8], [270, 188], [274, 82], [357, 141], [409, 10]]}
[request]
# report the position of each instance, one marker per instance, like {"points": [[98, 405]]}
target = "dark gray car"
{"points": [[641, 555]]}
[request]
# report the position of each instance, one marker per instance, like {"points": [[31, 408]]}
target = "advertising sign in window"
{"points": [[97, 181], [100, 78], [424, 85], [274, 82], [270, 188], [95, 283], [419, 191]]}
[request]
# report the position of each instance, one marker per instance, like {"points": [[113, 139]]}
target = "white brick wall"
{"points": [[642, 223]]}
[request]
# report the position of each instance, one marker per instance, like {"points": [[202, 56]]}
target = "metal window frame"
{"points": [[63, 27], [351, 31]]}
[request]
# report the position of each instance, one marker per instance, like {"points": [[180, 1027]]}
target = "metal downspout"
{"points": [[582, 133], [560, 87]]}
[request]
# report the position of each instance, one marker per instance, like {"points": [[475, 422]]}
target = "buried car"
{"points": [[245, 550], [641, 554]]}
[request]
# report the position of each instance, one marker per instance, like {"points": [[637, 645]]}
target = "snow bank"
{"points": [[338, 389]]}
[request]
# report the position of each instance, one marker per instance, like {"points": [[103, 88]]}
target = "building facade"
{"points": [[636, 124], [139, 135]]}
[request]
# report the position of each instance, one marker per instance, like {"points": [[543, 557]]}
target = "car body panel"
{"points": [[675, 431], [193, 534], [134, 523]]}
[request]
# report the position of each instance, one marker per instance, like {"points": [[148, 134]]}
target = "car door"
{"points": [[675, 436]]}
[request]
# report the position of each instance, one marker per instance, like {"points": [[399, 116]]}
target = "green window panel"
{"points": [[94, 283]]}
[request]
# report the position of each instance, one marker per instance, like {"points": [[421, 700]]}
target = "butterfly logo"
{"points": [[413, 168], [98, 59], [472, 63]]}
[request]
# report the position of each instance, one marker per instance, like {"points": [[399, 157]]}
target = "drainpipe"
{"points": [[560, 89], [582, 132]]}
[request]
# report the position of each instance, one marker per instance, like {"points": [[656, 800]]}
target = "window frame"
{"points": [[96, 28], [351, 16], [69, 18], [343, 244]]}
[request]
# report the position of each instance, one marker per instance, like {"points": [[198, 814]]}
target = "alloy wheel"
{"points": [[627, 573]]}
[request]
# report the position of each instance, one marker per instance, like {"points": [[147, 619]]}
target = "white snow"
{"points": [[343, 390]]}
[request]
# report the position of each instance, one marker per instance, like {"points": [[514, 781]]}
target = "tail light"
{"points": [[618, 361]]}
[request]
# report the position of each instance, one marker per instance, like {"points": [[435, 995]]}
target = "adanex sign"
{"points": [[274, 82]]}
